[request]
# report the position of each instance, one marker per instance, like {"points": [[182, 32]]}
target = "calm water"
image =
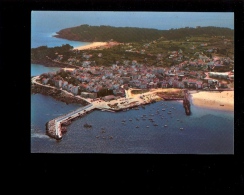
{"points": [[204, 132]]}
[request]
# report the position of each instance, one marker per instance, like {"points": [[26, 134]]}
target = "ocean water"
{"points": [[46, 39], [38, 69]]}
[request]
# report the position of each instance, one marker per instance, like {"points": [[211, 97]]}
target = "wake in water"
{"points": [[39, 135]]}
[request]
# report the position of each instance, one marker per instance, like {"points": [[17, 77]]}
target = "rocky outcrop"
{"points": [[186, 104]]}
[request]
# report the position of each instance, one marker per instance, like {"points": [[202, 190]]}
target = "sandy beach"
{"points": [[216, 100], [92, 45]]}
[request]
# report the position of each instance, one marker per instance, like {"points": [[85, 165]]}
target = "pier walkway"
{"points": [[54, 126]]}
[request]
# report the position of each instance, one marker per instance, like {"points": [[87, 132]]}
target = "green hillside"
{"points": [[86, 33]]}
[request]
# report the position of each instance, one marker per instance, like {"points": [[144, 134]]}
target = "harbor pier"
{"points": [[54, 128]]}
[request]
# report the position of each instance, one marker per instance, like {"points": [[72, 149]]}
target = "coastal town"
{"points": [[141, 76], [88, 80]]}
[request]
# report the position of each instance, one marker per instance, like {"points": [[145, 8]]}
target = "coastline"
{"points": [[96, 45], [91, 45], [214, 100]]}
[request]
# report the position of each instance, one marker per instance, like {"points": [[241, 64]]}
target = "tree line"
{"points": [[103, 33]]}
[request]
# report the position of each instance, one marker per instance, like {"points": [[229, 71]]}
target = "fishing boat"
{"points": [[87, 125]]}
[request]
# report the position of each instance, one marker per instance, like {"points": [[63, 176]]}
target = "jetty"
{"points": [[56, 127], [186, 103]]}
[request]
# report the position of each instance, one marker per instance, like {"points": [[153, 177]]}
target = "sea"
{"points": [[205, 131]]}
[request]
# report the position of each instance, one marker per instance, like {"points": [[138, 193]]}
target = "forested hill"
{"points": [[86, 33]]}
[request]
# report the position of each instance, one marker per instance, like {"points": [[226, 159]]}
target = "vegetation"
{"points": [[88, 33], [43, 51], [154, 50]]}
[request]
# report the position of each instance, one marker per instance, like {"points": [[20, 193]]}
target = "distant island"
{"points": [[87, 33]]}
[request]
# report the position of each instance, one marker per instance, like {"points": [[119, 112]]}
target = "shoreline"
{"points": [[91, 45], [214, 100], [96, 45]]}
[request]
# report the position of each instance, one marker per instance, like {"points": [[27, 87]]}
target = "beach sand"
{"points": [[92, 45], [216, 100]]}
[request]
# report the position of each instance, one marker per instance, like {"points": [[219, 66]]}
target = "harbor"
{"points": [[56, 127]]}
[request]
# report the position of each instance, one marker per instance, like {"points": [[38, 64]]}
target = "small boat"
{"points": [[87, 125], [137, 126], [165, 125], [147, 126], [181, 128]]}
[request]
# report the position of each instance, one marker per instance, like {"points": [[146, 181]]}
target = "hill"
{"points": [[86, 33]]}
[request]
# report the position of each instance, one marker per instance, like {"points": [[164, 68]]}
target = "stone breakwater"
{"points": [[51, 129], [56, 127]]}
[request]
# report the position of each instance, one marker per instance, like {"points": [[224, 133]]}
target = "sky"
{"points": [[156, 20]]}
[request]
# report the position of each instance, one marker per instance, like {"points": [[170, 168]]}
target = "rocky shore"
{"points": [[58, 95], [49, 63]]}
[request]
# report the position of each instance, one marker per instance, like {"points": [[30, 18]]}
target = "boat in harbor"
{"points": [[87, 125]]}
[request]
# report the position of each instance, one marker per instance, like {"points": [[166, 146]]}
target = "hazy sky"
{"points": [[157, 20]]}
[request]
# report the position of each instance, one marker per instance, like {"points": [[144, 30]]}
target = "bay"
{"points": [[206, 131]]}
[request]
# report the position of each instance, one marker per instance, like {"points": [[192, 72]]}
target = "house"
{"points": [[70, 87], [109, 98], [65, 85], [74, 90], [199, 84], [45, 81], [223, 84], [192, 83], [84, 94], [164, 85]]}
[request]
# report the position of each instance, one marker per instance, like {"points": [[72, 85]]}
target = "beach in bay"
{"points": [[91, 46], [215, 100], [95, 45]]}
